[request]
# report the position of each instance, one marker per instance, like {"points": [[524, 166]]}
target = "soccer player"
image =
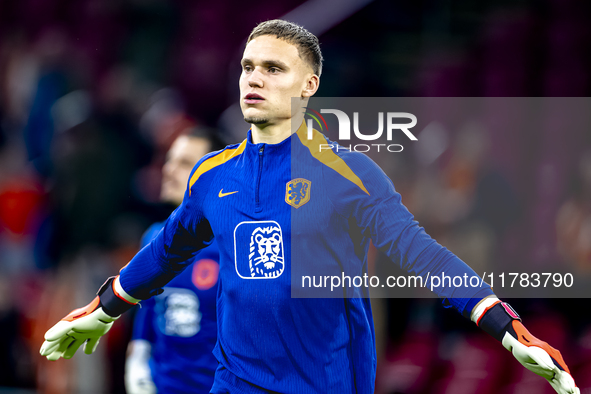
{"points": [[275, 202], [174, 333]]}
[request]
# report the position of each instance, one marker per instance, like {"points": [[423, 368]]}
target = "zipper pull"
{"points": [[261, 150]]}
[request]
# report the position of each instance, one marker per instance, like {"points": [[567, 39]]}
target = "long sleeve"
{"points": [[185, 232], [378, 210]]}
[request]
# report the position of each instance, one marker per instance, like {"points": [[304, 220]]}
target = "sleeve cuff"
{"points": [[114, 304], [497, 319], [119, 292], [481, 307]]}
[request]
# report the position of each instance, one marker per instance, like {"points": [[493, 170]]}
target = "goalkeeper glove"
{"points": [[138, 377], [504, 324], [87, 324]]}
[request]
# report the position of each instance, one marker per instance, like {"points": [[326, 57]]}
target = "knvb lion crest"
{"points": [[297, 192], [266, 253]]}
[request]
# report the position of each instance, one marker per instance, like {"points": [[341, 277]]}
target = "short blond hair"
{"points": [[306, 42]]}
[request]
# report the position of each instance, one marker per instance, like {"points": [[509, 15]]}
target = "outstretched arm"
{"points": [[395, 233], [185, 233], [379, 212]]}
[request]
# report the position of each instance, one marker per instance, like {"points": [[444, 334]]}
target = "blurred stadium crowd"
{"points": [[93, 92]]}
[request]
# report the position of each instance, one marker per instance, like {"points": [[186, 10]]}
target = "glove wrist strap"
{"points": [[112, 304], [496, 320]]}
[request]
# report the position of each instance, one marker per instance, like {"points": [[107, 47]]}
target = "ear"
{"points": [[311, 86]]}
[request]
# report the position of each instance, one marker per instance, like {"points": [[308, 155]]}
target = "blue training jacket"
{"points": [[283, 210], [181, 325]]}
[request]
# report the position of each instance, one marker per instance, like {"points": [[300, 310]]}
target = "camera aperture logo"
{"points": [[391, 119]]}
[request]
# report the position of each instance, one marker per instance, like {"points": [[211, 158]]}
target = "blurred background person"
{"points": [[175, 332]]}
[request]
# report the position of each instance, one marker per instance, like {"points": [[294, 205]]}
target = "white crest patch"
{"points": [[265, 250]]}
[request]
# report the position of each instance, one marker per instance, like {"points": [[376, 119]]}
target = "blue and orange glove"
{"points": [[88, 324], [500, 321]]}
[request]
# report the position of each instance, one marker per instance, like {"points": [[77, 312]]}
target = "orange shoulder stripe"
{"points": [[327, 156], [215, 161]]}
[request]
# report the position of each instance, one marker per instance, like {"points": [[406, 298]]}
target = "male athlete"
{"points": [[258, 202], [174, 333]]}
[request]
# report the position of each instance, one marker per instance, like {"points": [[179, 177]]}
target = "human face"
{"points": [[272, 73], [184, 153]]}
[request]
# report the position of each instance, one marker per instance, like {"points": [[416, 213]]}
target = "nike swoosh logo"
{"points": [[222, 194]]}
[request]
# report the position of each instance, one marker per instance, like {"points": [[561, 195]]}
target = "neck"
{"points": [[274, 133], [271, 133]]}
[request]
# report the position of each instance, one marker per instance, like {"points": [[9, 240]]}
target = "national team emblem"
{"points": [[297, 192], [264, 257]]}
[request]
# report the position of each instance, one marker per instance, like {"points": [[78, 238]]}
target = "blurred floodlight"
{"points": [[71, 110], [432, 142], [164, 104], [318, 16]]}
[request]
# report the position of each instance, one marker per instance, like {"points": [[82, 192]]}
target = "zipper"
{"points": [[257, 205]]}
